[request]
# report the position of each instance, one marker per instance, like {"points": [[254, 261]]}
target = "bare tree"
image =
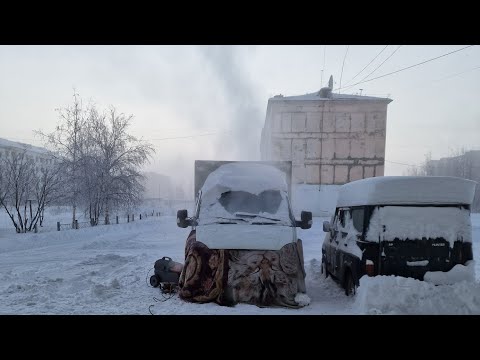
{"points": [[425, 169], [118, 159], [461, 163], [25, 190], [100, 160], [66, 143]]}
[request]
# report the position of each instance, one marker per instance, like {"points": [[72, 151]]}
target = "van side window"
{"points": [[336, 220], [357, 217], [341, 216]]}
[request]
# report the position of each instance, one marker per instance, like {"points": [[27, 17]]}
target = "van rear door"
{"points": [[417, 239]]}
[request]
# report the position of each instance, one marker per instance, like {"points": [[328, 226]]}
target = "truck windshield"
{"points": [[244, 202]]}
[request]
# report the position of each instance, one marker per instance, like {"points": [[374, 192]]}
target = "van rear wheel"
{"points": [[350, 287]]}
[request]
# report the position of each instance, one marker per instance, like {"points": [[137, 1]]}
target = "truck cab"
{"points": [[243, 225]]}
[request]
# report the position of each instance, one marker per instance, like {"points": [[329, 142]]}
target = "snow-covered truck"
{"points": [[410, 226], [243, 246]]}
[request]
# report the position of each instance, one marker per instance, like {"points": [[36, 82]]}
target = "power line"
{"points": [[384, 61], [366, 65], [343, 65], [411, 66], [460, 73], [189, 136], [160, 139], [399, 163]]}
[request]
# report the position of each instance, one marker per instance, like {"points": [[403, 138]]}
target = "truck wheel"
{"points": [[350, 287], [154, 281]]}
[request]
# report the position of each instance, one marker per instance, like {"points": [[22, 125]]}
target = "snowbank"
{"points": [[105, 270], [393, 295], [456, 274]]}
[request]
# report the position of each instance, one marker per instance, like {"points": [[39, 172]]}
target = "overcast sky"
{"points": [[217, 95]]}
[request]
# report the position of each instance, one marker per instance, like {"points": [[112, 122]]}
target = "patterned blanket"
{"points": [[228, 277]]}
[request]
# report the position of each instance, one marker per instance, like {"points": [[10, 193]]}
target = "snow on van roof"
{"points": [[250, 177], [398, 190]]}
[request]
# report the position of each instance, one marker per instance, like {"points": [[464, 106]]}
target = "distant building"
{"points": [[39, 155], [158, 186], [466, 166], [330, 138]]}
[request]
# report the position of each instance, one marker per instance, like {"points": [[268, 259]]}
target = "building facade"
{"points": [[330, 138], [466, 165], [40, 156]]}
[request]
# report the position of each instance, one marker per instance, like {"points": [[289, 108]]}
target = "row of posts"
{"points": [[75, 226]]}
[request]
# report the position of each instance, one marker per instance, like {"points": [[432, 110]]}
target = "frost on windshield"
{"points": [[245, 194], [268, 207], [241, 201]]}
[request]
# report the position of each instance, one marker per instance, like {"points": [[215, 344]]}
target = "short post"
{"points": [[58, 225], [133, 217], [36, 229], [140, 216], [117, 219], [76, 224], [128, 218]]}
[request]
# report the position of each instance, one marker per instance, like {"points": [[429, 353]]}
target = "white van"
{"points": [[398, 225]]}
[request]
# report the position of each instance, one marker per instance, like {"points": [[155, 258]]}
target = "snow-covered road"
{"points": [[103, 270]]}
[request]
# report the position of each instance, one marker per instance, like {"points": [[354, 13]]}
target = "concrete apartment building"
{"points": [[466, 165], [39, 155], [330, 138]]}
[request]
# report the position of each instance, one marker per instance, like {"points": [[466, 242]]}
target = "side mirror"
{"points": [[182, 220], [326, 226], [306, 220]]}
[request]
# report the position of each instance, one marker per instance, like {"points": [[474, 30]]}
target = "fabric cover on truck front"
{"points": [[227, 277]]}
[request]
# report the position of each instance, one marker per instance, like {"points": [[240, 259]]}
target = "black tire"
{"points": [[349, 284], [154, 280]]}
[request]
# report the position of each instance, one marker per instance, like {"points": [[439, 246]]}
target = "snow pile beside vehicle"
{"points": [[302, 299], [394, 295], [457, 274]]}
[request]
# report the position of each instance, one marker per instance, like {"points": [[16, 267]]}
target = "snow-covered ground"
{"points": [[104, 270]]}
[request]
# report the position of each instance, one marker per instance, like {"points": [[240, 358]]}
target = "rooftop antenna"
{"points": [[323, 68], [343, 64]]}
